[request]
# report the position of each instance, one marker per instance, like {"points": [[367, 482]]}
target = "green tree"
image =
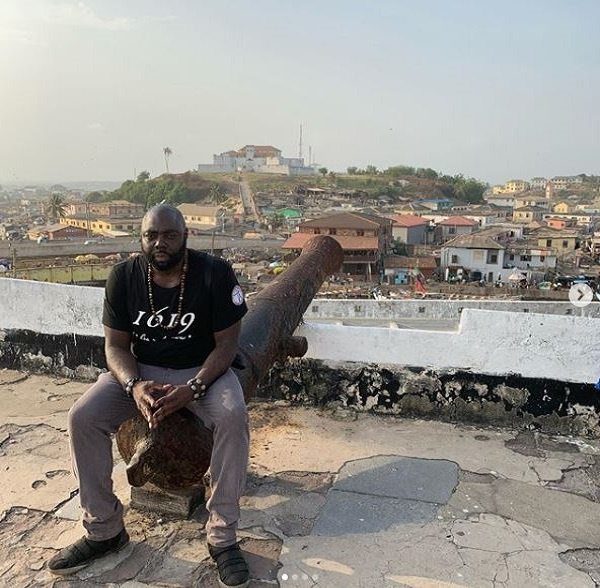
{"points": [[371, 170], [94, 196], [56, 207], [352, 171], [468, 189], [427, 173], [400, 170], [143, 176], [217, 193], [167, 152], [323, 171]]}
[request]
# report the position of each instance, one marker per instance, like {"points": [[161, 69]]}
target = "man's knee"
{"points": [[79, 417], [232, 413]]}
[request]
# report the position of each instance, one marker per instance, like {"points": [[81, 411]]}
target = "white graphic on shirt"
{"points": [[156, 320], [237, 296]]}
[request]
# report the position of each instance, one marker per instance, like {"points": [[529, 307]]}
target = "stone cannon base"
{"points": [[150, 497]]}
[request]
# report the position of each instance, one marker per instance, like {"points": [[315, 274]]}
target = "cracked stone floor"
{"points": [[334, 499]]}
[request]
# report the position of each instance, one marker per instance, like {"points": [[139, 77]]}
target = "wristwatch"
{"points": [[130, 383], [198, 388]]}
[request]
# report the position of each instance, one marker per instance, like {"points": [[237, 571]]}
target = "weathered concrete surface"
{"points": [[496, 508]]}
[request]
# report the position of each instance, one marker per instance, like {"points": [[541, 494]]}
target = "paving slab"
{"points": [[426, 480], [350, 513]]}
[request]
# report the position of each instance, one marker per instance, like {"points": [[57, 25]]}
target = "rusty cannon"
{"points": [[175, 456]]}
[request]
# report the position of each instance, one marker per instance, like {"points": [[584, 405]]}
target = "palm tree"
{"points": [[167, 153], [56, 207]]}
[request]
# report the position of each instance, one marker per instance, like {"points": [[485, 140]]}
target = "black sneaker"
{"points": [[232, 567], [77, 556]]}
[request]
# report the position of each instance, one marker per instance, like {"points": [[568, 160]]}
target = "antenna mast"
{"points": [[300, 144]]}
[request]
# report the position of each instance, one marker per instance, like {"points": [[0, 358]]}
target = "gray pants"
{"points": [[101, 410]]}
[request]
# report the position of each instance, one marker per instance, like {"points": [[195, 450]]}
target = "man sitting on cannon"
{"points": [[172, 320]]}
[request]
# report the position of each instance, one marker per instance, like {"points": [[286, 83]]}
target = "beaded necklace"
{"points": [[175, 322]]}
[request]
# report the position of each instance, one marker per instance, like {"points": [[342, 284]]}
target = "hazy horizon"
{"points": [[94, 90]]}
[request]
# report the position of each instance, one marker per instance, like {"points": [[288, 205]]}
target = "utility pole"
{"points": [[87, 217]]}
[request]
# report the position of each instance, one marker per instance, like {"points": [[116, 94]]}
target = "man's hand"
{"points": [[177, 397], [146, 394]]}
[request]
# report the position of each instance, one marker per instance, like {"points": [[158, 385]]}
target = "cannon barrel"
{"points": [[176, 455]]}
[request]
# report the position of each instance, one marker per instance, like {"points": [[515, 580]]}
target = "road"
{"points": [[31, 249], [248, 201]]}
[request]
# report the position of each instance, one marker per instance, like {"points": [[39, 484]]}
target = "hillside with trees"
{"points": [[171, 188]]}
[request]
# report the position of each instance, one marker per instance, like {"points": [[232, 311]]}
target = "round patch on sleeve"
{"points": [[237, 296]]}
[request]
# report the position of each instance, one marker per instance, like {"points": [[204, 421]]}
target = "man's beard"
{"points": [[166, 264]]}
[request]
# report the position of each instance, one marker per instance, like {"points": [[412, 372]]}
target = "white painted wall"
{"points": [[50, 308], [564, 348], [472, 259], [555, 346]]}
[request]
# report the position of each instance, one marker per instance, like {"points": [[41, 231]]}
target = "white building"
{"points": [[530, 257], [538, 183], [473, 253], [260, 159]]}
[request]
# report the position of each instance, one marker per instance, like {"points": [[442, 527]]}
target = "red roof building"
{"points": [[365, 240], [454, 226]]}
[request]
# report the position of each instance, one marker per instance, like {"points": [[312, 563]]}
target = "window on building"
{"points": [[317, 232], [493, 258], [511, 257], [333, 231], [542, 258], [548, 242], [451, 230], [525, 257], [360, 233], [454, 259], [565, 244]]}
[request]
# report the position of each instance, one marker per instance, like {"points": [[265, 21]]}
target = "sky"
{"points": [[494, 90]]}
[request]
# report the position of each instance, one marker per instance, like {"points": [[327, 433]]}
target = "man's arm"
{"points": [[216, 364], [123, 365], [119, 359], [222, 356]]}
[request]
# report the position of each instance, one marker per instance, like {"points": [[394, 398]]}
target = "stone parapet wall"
{"points": [[457, 396], [504, 368], [323, 308]]}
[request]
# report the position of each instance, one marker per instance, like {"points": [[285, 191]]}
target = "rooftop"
{"points": [[348, 242], [334, 498], [473, 241]]}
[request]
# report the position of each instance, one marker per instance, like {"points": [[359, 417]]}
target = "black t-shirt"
{"points": [[213, 301]]}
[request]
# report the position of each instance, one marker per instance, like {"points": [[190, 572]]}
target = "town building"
{"points": [[454, 226], [200, 218], [557, 222], [538, 183], [530, 200], [565, 182], [530, 256], [365, 240], [410, 229], [109, 227], [528, 214], [511, 187], [114, 209], [257, 158], [562, 241], [477, 255], [57, 232]]}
